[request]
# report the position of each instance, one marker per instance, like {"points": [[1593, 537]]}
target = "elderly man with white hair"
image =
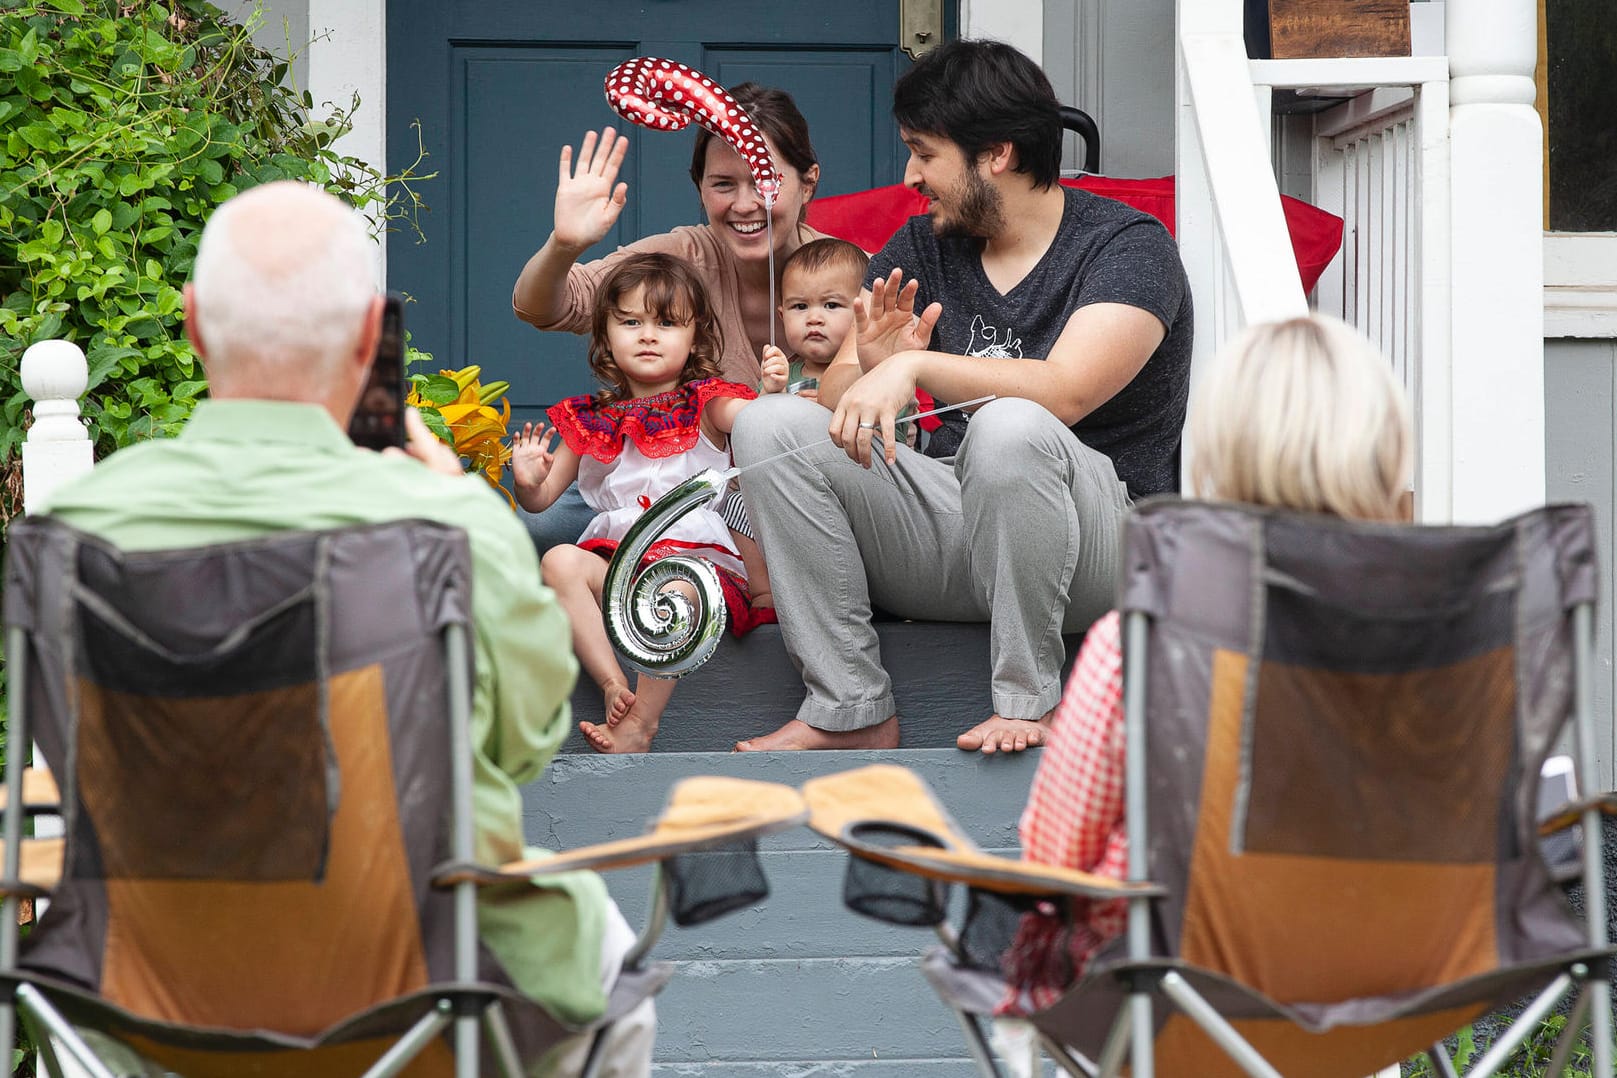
{"points": [[283, 309]]}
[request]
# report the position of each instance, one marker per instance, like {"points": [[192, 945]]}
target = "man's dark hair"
{"points": [[977, 94]]}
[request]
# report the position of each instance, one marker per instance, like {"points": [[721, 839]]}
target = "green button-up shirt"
{"points": [[241, 468]]}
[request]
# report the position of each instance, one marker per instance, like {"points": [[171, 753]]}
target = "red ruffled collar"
{"points": [[663, 425]]}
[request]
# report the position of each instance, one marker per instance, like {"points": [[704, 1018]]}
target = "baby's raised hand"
{"points": [[775, 370], [531, 455]]}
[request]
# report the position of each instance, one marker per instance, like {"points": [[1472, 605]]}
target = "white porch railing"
{"points": [[1434, 162], [1380, 161], [57, 447]]}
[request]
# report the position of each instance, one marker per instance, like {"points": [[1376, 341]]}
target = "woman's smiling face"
{"points": [[735, 212]]}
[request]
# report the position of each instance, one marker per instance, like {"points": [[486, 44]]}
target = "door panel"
{"points": [[499, 86]]}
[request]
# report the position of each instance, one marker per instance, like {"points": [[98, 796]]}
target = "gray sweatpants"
{"points": [[1019, 529]]}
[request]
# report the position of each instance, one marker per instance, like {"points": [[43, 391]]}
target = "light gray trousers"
{"points": [[1020, 529]]}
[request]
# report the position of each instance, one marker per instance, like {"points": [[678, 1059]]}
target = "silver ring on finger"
{"points": [[867, 426]]}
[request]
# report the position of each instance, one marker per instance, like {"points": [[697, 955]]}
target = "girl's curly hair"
{"points": [[672, 291]]}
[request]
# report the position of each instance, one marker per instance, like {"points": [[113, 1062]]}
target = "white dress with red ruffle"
{"points": [[633, 452]]}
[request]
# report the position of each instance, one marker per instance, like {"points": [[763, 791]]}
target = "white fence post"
{"points": [[1496, 244], [57, 447]]}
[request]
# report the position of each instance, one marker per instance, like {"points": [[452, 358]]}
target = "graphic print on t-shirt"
{"points": [[990, 343]]}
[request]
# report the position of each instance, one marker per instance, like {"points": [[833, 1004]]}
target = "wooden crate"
{"points": [[1338, 28]]}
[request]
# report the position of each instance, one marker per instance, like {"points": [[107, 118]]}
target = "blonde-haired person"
{"points": [[1300, 415]]}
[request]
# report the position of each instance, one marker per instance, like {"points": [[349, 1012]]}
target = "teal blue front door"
{"points": [[499, 86]]}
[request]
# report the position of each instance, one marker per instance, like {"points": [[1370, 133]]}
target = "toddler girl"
{"points": [[662, 417]]}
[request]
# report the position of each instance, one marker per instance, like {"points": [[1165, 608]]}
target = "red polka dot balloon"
{"points": [[666, 95]]}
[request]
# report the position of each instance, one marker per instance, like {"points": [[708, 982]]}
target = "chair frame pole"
{"points": [[1134, 800], [1215, 1026], [1522, 1028], [1116, 1046], [1569, 1035], [417, 1037], [461, 841], [499, 1037], [1442, 1065], [977, 1044], [1074, 1063], [11, 828], [53, 1025], [1594, 893]]}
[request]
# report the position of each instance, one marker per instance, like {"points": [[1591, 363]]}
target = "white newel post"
{"points": [[57, 447], [1497, 260]]}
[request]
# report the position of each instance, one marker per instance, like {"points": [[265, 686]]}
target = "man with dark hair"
{"points": [[1071, 310]]}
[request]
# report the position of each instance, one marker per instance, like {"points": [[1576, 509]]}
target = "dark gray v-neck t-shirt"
{"points": [[1104, 252]]}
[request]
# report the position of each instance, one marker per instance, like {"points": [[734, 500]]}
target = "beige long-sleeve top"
{"points": [[712, 261]]}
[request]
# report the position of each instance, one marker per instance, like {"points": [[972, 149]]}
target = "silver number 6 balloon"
{"points": [[655, 629]]}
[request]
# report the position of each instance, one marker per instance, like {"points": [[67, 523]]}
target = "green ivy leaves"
{"points": [[121, 127]]}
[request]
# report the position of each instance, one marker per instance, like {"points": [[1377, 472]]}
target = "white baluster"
{"points": [[57, 447], [1497, 263]]}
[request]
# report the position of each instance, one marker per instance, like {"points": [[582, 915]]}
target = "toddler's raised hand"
{"points": [[531, 456], [775, 370]]}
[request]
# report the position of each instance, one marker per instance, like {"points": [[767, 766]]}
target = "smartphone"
{"points": [[378, 420]]}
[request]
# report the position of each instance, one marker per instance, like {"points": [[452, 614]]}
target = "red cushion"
{"points": [[869, 218]]}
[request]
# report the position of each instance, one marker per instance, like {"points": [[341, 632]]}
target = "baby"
{"points": [[819, 283]]}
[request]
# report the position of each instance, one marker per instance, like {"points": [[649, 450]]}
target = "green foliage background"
{"points": [[121, 127]]}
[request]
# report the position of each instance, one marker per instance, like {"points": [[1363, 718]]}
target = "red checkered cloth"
{"points": [[1074, 818]]}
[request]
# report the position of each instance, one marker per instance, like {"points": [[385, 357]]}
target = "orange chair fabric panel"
{"points": [[131, 747], [1407, 766], [180, 950], [1256, 917], [1344, 1052], [330, 1061]]}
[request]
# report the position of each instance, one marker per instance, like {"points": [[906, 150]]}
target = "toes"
{"points": [[971, 741]]}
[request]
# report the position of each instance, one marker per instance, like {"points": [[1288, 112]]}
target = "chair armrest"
{"points": [[1004, 875], [1571, 812], [895, 799], [702, 813], [40, 866], [40, 797]]}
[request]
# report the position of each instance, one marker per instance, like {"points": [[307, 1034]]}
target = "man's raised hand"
{"points": [[890, 323], [589, 198]]}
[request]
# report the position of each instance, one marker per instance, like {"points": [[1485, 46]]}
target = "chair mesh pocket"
{"points": [[991, 926], [709, 884], [888, 894]]}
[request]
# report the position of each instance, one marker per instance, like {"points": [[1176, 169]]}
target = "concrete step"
{"points": [[940, 677], [797, 984]]}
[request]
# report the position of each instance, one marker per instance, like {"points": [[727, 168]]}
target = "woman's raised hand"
{"points": [[589, 198]]}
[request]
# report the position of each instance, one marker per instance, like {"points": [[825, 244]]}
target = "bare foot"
{"points": [[617, 699], [631, 734], [1004, 735], [797, 735]]}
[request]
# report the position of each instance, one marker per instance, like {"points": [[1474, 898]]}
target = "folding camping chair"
{"points": [[264, 756], [1334, 739]]}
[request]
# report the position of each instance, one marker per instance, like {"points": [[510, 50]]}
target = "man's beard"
{"points": [[979, 211]]}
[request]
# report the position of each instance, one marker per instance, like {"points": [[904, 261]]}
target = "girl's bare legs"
{"points": [[752, 559], [634, 732], [576, 576]]}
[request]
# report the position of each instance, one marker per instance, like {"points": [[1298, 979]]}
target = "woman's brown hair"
{"points": [[672, 291], [775, 112]]}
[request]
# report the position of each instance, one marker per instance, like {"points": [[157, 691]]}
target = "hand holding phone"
{"points": [[378, 420]]}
